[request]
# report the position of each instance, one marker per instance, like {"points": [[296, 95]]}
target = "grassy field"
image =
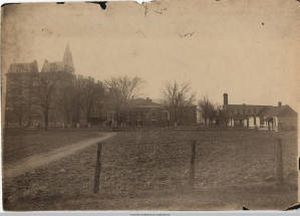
{"points": [[150, 170], [19, 144]]}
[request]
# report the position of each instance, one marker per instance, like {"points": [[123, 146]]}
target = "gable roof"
{"points": [[143, 103], [247, 106], [237, 109], [53, 67], [264, 110], [280, 111]]}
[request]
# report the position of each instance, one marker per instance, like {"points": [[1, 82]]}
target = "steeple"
{"points": [[68, 60]]}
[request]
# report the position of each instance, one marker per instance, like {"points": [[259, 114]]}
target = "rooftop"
{"points": [[23, 67]]}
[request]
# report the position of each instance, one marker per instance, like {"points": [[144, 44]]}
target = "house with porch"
{"points": [[262, 117]]}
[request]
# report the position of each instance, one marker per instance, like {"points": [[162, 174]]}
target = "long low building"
{"points": [[275, 118]]}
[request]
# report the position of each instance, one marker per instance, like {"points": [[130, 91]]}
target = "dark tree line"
{"points": [[69, 98], [56, 95], [211, 113], [21, 100], [66, 97], [179, 96]]}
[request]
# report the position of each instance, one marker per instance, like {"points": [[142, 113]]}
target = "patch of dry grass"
{"points": [[18, 144], [149, 169]]}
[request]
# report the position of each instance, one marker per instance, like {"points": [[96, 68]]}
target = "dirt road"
{"points": [[36, 161]]}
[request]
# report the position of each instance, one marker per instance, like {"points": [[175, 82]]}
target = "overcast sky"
{"points": [[249, 49]]}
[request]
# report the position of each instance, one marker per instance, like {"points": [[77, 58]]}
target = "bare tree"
{"points": [[177, 96], [20, 98], [89, 93], [207, 109], [64, 96], [221, 116], [121, 90], [15, 103], [47, 83]]}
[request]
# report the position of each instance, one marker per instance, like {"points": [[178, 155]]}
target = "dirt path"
{"points": [[36, 161]]}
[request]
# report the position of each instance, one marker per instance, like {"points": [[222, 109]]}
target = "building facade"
{"points": [[23, 95], [20, 96], [275, 118], [139, 112], [66, 65], [142, 112]]}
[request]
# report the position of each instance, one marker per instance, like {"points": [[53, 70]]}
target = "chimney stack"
{"points": [[225, 99]]}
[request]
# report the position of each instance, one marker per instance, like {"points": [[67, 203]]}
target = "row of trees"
{"points": [[64, 96], [70, 98], [121, 90], [50, 94], [211, 112], [177, 96]]}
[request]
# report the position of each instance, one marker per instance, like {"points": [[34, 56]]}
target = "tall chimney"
{"points": [[225, 99]]}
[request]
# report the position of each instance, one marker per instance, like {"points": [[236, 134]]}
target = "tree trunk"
{"points": [[175, 116], [20, 121], [88, 115], [46, 119], [76, 114]]}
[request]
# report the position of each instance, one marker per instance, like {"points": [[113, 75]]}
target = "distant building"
{"points": [[22, 104], [281, 117], [64, 113], [20, 98], [185, 115], [138, 113], [66, 65], [144, 112]]}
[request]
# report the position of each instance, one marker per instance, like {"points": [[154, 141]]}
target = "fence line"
{"points": [[279, 162], [192, 168], [98, 169]]}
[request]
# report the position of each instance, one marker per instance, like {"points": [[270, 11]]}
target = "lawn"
{"points": [[19, 144], [150, 169]]}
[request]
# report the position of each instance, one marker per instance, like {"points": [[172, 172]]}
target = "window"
{"points": [[153, 116]]}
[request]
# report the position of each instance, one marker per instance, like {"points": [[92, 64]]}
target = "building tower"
{"points": [[68, 60]]}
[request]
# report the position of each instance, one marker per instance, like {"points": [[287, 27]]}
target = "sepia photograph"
{"points": [[168, 105]]}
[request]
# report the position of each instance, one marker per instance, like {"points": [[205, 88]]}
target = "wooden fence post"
{"points": [[192, 165], [97, 169], [279, 162]]}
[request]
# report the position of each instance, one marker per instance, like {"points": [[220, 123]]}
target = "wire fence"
{"points": [[195, 163]]}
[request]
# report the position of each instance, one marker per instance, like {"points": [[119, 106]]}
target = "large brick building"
{"points": [[66, 65], [139, 112], [23, 106], [20, 96], [28, 91]]}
